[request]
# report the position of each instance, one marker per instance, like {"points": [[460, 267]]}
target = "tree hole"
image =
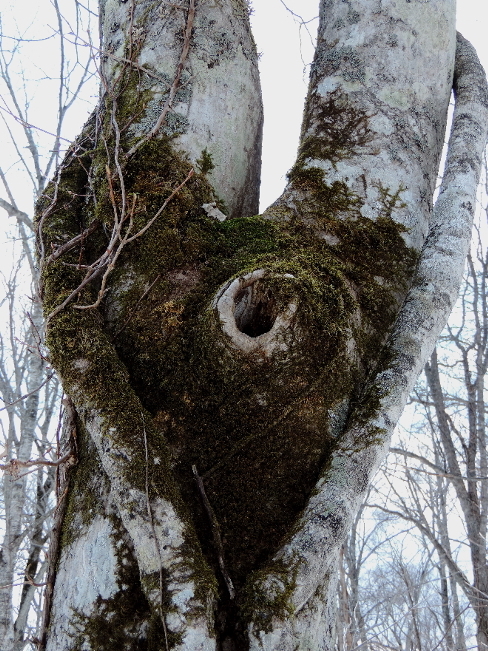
{"points": [[255, 310]]}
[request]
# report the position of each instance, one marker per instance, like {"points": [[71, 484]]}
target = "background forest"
{"points": [[414, 571]]}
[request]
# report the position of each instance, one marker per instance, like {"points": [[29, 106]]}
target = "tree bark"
{"points": [[267, 357]]}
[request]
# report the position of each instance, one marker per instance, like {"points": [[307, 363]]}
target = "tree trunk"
{"points": [[467, 495], [20, 441], [237, 378]]}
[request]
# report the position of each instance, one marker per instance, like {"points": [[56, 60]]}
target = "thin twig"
{"points": [[28, 125], [13, 466], [151, 221], [46, 213], [438, 472], [113, 256], [28, 582], [217, 538], [88, 278], [109, 55], [11, 404], [64, 248], [12, 211]]}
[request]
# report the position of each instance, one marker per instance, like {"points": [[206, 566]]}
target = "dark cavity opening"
{"points": [[255, 310]]}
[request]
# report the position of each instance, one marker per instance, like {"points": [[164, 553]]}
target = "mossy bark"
{"points": [[245, 350]]}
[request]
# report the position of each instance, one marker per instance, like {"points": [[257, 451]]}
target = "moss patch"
{"points": [[339, 129], [259, 430], [269, 597]]}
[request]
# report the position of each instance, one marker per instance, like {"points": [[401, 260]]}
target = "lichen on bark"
{"points": [[257, 428], [164, 390]]}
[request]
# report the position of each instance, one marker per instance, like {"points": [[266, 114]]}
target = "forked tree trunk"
{"points": [[238, 379]]}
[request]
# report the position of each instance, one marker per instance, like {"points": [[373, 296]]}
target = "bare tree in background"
{"points": [[395, 592], [444, 487], [28, 387]]}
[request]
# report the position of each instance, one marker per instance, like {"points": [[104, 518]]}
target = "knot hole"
{"points": [[255, 310]]}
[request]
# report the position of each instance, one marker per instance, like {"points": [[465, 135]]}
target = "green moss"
{"points": [[205, 162], [259, 430], [325, 201], [266, 598], [78, 337]]}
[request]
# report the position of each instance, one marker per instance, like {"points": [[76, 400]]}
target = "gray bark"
{"points": [[274, 387], [218, 103]]}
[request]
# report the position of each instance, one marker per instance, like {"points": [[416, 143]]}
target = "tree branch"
{"points": [[310, 553], [12, 211]]}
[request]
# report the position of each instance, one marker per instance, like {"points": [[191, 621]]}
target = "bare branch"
{"points": [[64, 248], [14, 465], [26, 395], [15, 212], [217, 538]]}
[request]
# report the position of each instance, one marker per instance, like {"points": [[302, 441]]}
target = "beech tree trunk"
{"points": [[236, 378]]}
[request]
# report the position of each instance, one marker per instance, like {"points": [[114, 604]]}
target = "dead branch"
{"points": [[217, 538], [438, 472], [14, 466], [19, 585], [106, 262], [109, 55], [28, 125], [64, 248], [12, 211]]}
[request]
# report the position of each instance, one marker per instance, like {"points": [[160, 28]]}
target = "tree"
{"points": [[30, 400], [28, 386], [396, 594], [235, 379], [445, 485]]}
